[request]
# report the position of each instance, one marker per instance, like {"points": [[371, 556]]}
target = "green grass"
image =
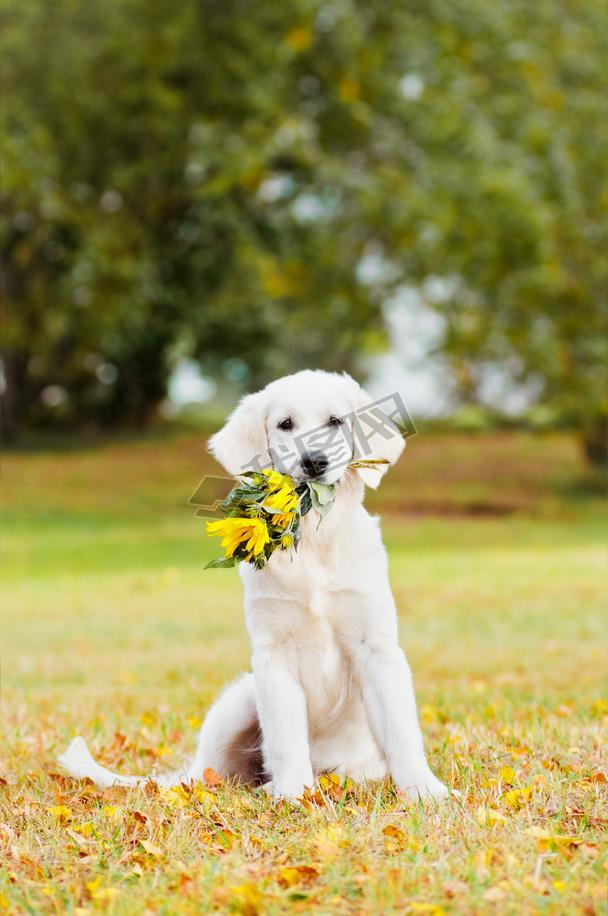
{"points": [[112, 629]]}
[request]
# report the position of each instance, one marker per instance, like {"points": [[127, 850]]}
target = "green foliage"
{"points": [[205, 179], [138, 225], [516, 211]]}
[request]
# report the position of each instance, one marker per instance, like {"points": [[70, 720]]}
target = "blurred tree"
{"points": [[510, 218], [152, 160], [252, 180]]}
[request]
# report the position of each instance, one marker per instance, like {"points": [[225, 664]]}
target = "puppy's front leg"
{"points": [[390, 704], [283, 716], [388, 696]]}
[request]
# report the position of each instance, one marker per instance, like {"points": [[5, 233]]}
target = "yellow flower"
{"points": [[283, 500], [236, 531], [286, 541], [283, 521], [258, 537], [276, 480]]}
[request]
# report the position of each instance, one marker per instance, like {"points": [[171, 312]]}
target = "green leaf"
{"points": [[322, 498], [367, 462], [221, 563], [305, 503], [325, 492]]}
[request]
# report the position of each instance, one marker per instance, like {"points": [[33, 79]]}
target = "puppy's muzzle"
{"points": [[314, 464]]}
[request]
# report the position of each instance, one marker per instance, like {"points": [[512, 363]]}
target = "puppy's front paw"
{"points": [[291, 792], [291, 783], [422, 786]]}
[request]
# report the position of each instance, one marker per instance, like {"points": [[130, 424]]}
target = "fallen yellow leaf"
{"points": [[176, 797], [151, 848], [599, 707], [429, 714], [329, 841], [112, 812], [203, 795], [330, 783], [507, 774], [551, 842], [397, 839], [244, 898], [99, 894], [515, 798], [395, 833], [182, 796], [328, 778], [61, 812], [488, 817], [297, 874], [539, 779]]}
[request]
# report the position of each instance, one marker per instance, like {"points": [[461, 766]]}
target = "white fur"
{"points": [[331, 690]]}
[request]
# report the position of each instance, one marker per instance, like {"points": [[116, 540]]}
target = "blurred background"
{"points": [[198, 197]]}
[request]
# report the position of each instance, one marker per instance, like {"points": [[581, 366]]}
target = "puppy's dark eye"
{"points": [[334, 421], [287, 423]]}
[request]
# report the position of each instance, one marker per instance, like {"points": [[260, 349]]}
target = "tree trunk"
{"points": [[595, 441]]}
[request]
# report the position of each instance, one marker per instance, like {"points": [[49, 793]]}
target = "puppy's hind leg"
{"points": [[230, 740]]}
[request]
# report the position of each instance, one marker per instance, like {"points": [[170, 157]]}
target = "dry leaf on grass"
{"points": [[553, 842], [151, 848], [211, 777], [507, 775], [516, 798], [291, 875], [61, 812], [395, 839], [489, 817]]}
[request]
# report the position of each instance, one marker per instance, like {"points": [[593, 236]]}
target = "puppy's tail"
{"points": [[79, 762]]}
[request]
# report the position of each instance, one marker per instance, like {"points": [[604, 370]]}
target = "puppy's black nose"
{"points": [[314, 465]]}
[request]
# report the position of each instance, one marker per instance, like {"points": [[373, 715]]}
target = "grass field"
{"points": [[112, 629]]}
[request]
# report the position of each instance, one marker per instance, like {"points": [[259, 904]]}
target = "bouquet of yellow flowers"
{"points": [[263, 513]]}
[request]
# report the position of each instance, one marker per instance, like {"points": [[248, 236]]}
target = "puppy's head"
{"points": [[309, 425]]}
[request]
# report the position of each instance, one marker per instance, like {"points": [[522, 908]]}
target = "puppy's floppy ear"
{"points": [[375, 435], [242, 439]]}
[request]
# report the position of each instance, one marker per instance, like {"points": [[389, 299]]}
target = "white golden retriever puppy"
{"points": [[331, 689]]}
